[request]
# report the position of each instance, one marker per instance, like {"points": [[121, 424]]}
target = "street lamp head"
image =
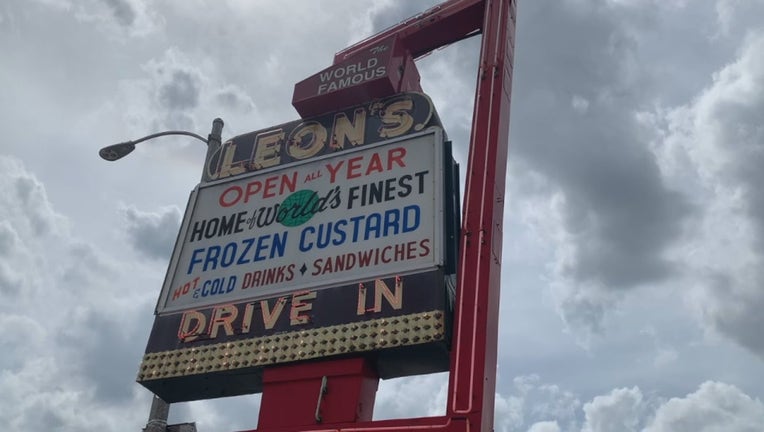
{"points": [[117, 151]]}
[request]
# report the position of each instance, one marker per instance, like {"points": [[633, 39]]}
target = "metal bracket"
{"points": [[321, 394]]}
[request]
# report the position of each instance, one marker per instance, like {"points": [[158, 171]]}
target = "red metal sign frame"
{"points": [[472, 375]]}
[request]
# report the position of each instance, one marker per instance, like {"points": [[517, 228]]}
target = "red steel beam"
{"points": [[434, 28], [472, 380]]}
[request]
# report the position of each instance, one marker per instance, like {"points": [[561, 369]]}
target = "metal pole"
{"points": [[157, 416], [159, 408], [214, 141]]}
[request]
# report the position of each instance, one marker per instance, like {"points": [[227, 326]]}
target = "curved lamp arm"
{"points": [[213, 141], [120, 150]]}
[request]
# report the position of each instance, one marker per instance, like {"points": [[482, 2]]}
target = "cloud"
{"points": [[713, 407], [717, 143], [530, 401], [621, 410], [545, 426], [152, 234], [417, 396], [614, 218], [120, 19], [51, 283], [736, 16], [27, 222], [181, 91]]}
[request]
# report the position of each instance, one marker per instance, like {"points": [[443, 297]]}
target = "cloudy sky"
{"points": [[633, 268]]}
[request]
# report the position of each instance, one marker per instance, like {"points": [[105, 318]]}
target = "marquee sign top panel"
{"points": [[338, 218], [298, 141]]}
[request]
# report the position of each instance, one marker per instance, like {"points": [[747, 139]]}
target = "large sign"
{"points": [[374, 211], [327, 236]]}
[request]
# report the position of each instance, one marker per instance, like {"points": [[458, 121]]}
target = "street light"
{"points": [[120, 150], [159, 408]]}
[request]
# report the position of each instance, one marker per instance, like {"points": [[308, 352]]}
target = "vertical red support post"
{"points": [[472, 382]]}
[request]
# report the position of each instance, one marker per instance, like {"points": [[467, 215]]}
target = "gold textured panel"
{"points": [[298, 345]]}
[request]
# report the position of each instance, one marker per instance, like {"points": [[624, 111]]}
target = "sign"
{"points": [[381, 70], [370, 212], [301, 140], [220, 350], [334, 235]]}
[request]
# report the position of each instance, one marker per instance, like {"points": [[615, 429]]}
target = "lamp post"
{"points": [[160, 409], [120, 150]]}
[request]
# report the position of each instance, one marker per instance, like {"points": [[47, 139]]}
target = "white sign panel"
{"points": [[357, 215]]}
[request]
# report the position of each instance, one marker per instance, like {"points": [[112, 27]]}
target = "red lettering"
{"points": [[354, 167], [385, 258], [375, 164], [270, 185], [235, 194], [425, 245], [400, 251], [396, 156], [253, 188], [411, 250], [333, 170], [227, 202]]}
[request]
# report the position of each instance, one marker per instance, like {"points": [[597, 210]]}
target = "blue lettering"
{"points": [[373, 222], [392, 221], [410, 223], [303, 246], [243, 257], [324, 233], [356, 221], [279, 244], [261, 246], [341, 236], [213, 252], [229, 255], [194, 260]]}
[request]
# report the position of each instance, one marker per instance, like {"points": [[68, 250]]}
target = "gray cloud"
{"points": [[530, 401], [713, 407], [51, 367], [620, 410], [152, 234], [25, 194], [235, 98], [10, 279], [123, 11], [718, 137], [393, 13], [180, 91], [26, 221], [579, 128], [105, 353], [545, 426]]}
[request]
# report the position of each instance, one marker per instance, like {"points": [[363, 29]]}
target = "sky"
{"points": [[633, 265]]}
